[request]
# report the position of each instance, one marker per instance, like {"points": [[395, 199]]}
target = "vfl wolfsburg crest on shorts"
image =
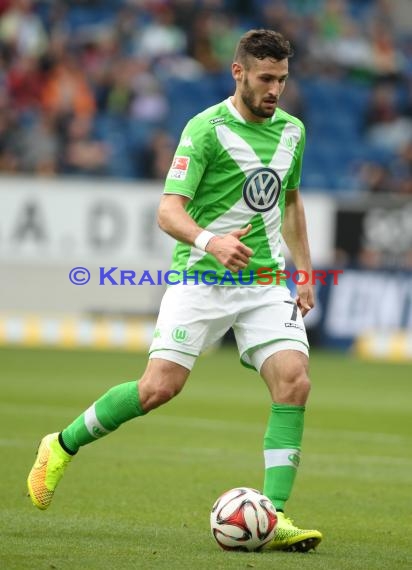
{"points": [[237, 173], [180, 334], [261, 189]]}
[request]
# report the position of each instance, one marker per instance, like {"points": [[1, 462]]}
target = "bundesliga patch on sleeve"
{"points": [[179, 168]]}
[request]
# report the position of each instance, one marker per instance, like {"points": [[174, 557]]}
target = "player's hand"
{"points": [[230, 251], [305, 298]]}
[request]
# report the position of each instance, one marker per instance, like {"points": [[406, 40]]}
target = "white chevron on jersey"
{"points": [[240, 214]]}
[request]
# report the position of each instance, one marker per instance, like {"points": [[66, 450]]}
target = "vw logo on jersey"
{"points": [[261, 189]]}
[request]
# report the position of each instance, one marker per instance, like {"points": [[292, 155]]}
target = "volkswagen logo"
{"points": [[261, 189]]}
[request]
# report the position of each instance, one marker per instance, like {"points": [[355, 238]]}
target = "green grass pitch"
{"points": [[140, 498]]}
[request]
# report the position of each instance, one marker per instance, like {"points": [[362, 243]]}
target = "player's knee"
{"points": [[294, 387], [160, 383], [164, 393], [154, 394], [303, 384]]}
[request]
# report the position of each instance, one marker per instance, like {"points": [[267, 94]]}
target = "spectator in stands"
{"points": [[22, 30], [148, 101], [39, 146], [275, 14], [66, 90], [83, 154], [118, 88], [4, 6], [9, 141], [24, 81], [386, 126], [387, 60], [156, 158], [332, 19], [339, 44], [401, 170], [200, 44], [374, 177], [224, 32], [161, 36]]}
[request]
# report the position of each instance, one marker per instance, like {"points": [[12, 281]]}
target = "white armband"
{"points": [[203, 239]]}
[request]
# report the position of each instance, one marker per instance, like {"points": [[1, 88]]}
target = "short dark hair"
{"points": [[261, 44]]}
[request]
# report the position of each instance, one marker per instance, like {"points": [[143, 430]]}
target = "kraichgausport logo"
{"points": [[261, 276], [261, 189]]}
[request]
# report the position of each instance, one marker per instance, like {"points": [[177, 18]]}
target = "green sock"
{"points": [[120, 404], [282, 443]]}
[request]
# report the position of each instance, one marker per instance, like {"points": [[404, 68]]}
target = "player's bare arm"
{"points": [[175, 221], [296, 237]]}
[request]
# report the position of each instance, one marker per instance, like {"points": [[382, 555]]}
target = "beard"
{"points": [[248, 99]]}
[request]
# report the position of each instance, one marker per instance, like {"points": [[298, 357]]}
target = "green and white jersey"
{"points": [[235, 173]]}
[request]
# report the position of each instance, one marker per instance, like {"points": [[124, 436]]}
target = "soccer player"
{"points": [[230, 193]]}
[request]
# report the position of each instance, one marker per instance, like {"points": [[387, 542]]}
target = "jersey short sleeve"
{"points": [[296, 171], [192, 156]]}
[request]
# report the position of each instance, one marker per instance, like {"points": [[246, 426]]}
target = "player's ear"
{"points": [[237, 71]]}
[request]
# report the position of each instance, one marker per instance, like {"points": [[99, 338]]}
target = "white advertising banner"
{"points": [[77, 221], [54, 222]]}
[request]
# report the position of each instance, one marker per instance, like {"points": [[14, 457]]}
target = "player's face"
{"points": [[260, 86]]}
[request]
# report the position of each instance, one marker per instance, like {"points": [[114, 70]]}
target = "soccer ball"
{"points": [[243, 519]]}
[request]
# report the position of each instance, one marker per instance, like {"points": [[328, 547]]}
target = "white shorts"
{"points": [[193, 317]]}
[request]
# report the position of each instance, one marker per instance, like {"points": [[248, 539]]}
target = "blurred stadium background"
{"points": [[93, 96]]}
